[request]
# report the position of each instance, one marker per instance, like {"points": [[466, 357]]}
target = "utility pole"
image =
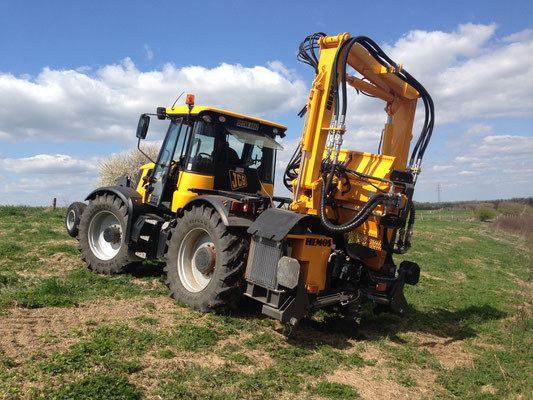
{"points": [[438, 192]]}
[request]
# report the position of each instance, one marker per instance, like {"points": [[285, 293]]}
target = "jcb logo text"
{"points": [[237, 180]]}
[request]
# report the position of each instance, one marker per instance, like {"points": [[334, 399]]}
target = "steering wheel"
{"points": [[205, 155]]}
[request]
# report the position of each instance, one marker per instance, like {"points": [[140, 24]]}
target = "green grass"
{"points": [[71, 289], [97, 387], [333, 390], [473, 302], [192, 337], [109, 348]]}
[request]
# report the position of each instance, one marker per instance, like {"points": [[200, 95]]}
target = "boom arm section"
{"points": [[351, 191]]}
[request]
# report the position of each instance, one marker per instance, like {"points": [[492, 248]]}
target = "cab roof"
{"points": [[197, 110]]}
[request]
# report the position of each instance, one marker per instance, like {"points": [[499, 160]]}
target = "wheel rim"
{"points": [[100, 247], [190, 276], [71, 219]]}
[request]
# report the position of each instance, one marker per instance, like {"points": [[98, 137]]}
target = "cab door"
{"points": [[165, 174]]}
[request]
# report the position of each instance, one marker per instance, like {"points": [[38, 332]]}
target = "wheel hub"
{"points": [[112, 234], [204, 259]]}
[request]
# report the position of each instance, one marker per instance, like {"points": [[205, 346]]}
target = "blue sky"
{"points": [[74, 76]]}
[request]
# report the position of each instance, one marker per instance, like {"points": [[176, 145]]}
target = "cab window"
{"points": [[202, 147]]}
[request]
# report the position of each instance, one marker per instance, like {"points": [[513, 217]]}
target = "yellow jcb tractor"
{"points": [[206, 205]]}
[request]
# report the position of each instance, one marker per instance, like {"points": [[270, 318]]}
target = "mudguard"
{"points": [[221, 204], [276, 223], [131, 198]]}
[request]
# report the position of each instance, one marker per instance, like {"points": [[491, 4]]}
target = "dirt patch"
{"points": [[465, 239], [374, 383], [24, 331], [460, 276], [489, 389], [449, 352], [32, 230], [380, 381], [477, 262], [429, 276], [58, 242], [59, 262]]}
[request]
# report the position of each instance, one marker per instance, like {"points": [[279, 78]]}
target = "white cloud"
{"points": [[37, 192], [479, 130], [37, 180], [468, 72], [489, 167], [49, 164], [507, 146], [424, 53], [75, 105], [149, 52], [442, 167], [526, 34]]}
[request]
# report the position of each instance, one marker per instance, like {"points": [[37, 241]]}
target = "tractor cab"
{"points": [[211, 151]]}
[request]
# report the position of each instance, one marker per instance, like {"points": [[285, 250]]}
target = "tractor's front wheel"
{"points": [[102, 235], [205, 260]]}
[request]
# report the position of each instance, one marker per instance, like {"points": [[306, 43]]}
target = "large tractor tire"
{"points": [[205, 261], [102, 232], [73, 216]]}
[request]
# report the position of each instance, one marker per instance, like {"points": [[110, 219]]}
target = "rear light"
{"points": [[312, 288], [240, 206], [381, 287]]}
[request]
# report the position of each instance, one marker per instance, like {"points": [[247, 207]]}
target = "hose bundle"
{"points": [[329, 168]]}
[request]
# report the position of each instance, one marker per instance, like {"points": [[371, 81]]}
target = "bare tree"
{"points": [[126, 163]]}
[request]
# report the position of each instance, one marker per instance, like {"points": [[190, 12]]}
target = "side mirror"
{"points": [[142, 127]]}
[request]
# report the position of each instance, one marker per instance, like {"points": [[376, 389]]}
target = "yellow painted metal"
{"points": [[318, 113], [400, 105], [370, 89], [184, 110], [267, 189], [188, 180], [312, 252], [141, 185]]}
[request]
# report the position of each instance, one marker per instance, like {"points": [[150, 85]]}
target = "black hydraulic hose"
{"points": [[307, 49], [335, 85], [412, 214], [357, 220], [293, 163], [429, 120], [381, 57], [404, 246], [373, 49]]}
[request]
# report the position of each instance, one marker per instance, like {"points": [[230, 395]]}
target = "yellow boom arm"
{"points": [[359, 185]]}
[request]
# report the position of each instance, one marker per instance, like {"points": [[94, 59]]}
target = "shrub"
{"points": [[484, 213], [512, 208], [518, 225], [126, 163]]}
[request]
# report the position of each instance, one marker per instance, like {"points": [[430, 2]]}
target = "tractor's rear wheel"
{"points": [[205, 260], [73, 216], [102, 235]]}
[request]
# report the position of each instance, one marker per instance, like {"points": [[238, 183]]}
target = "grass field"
{"points": [[67, 333]]}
